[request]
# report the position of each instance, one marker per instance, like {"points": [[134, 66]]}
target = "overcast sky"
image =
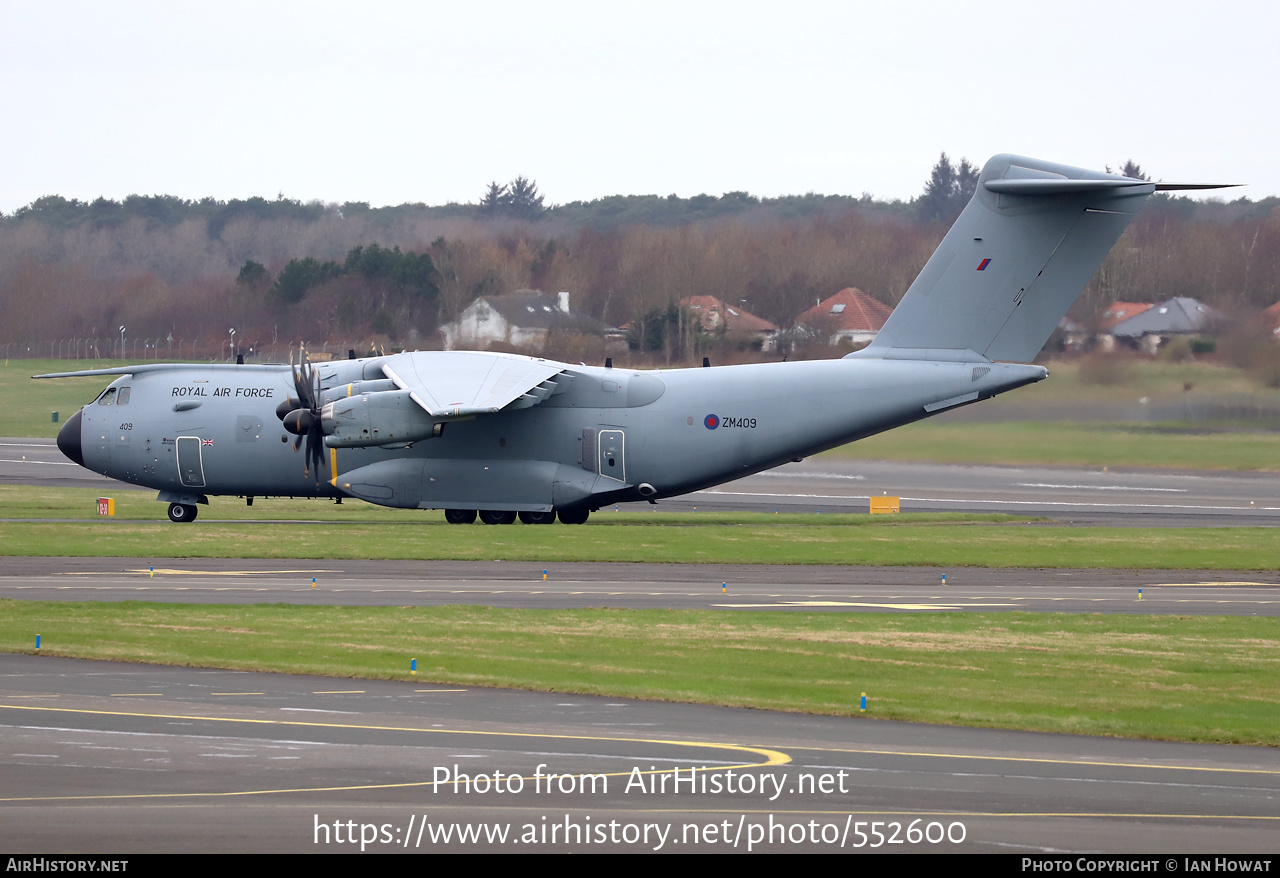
{"points": [[391, 102]]}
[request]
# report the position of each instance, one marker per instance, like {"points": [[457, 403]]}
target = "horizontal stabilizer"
{"points": [[1059, 186], [1178, 187]]}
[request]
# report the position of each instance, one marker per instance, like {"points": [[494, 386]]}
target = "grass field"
{"points": [[29, 404], [20, 501], [868, 543], [1093, 445], [1196, 679], [1032, 425], [228, 529]]}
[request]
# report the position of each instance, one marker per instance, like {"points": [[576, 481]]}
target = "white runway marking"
{"points": [[771, 474], [43, 462], [986, 501], [1098, 487]]}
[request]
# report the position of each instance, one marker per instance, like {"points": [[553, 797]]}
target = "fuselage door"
{"points": [[612, 455], [190, 466]]}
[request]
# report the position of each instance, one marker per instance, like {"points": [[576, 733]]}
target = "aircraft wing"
{"points": [[463, 384]]}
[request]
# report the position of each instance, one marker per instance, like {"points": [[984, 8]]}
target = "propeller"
{"points": [[301, 416]]}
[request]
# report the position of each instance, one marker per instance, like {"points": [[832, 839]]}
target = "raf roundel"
{"points": [[711, 422]]}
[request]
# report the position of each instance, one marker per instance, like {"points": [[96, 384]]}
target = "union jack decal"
{"points": [[206, 441]]}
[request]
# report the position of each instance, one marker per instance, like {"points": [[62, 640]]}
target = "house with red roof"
{"points": [[1271, 320], [717, 317], [1117, 312], [850, 315]]}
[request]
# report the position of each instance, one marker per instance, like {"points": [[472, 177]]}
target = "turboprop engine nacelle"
{"points": [[376, 419], [343, 391]]}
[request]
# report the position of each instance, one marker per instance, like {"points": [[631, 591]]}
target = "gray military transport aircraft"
{"points": [[503, 436]]}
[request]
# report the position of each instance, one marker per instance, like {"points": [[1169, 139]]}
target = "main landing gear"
{"points": [[538, 517], [181, 513], [499, 516]]}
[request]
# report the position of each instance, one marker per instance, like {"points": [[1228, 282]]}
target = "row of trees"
{"points": [[409, 274], [164, 210], [518, 199], [375, 288], [947, 190], [350, 271]]}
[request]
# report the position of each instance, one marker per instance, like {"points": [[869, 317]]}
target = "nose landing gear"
{"points": [[181, 513]]}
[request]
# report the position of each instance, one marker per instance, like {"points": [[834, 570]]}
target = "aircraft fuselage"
{"points": [[607, 435]]}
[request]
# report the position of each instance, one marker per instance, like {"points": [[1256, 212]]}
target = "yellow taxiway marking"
{"points": [[771, 757], [795, 604], [31, 696]]}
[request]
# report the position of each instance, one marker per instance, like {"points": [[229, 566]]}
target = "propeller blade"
{"points": [[302, 416]]}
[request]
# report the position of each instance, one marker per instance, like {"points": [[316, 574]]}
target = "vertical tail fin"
{"points": [[1013, 263]]}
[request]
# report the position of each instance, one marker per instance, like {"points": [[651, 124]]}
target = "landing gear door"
{"points": [[613, 455], [190, 466]]}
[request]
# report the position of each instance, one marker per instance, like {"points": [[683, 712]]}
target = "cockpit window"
{"points": [[122, 398], [108, 397]]}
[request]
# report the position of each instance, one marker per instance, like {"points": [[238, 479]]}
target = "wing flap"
{"points": [[462, 384]]}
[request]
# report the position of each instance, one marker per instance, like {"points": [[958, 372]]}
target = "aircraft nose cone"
{"points": [[69, 439]]}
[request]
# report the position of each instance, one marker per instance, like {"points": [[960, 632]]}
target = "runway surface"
{"points": [[739, 588], [1163, 498], [1159, 498], [116, 758]]}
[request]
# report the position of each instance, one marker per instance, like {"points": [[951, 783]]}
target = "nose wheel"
{"points": [[181, 513]]}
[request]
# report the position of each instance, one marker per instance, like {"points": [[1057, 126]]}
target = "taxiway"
{"points": [[114, 758]]}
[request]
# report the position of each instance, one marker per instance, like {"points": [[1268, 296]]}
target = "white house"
{"points": [[521, 319]]}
